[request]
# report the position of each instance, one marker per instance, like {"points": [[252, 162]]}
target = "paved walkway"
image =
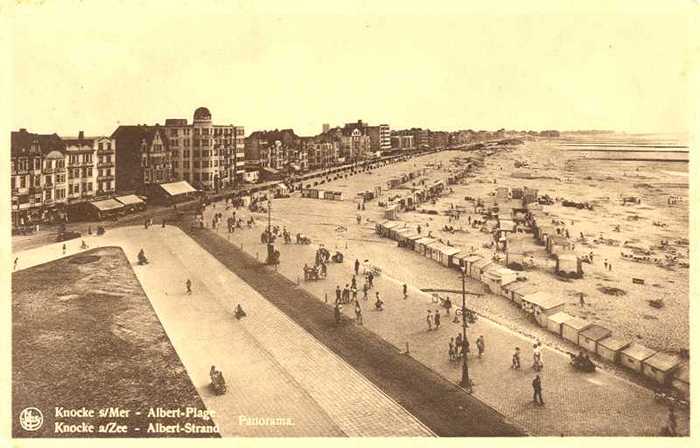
{"points": [[274, 368], [576, 403]]}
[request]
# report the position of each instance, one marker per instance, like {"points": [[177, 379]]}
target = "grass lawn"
{"points": [[85, 335]]}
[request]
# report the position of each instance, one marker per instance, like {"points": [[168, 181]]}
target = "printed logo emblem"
{"points": [[31, 419]]}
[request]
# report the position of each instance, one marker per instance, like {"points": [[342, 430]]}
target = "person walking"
{"points": [[436, 319], [480, 345], [537, 390], [405, 291], [451, 349], [357, 266], [358, 313], [581, 302], [516, 359], [64, 248], [429, 320], [605, 263], [336, 313], [353, 282], [337, 294], [354, 293], [370, 279], [458, 345], [188, 285], [365, 288]]}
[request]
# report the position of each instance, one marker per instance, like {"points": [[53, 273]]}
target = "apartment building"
{"points": [[208, 156], [143, 158]]}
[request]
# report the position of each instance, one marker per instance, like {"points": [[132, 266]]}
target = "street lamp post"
{"points": [[465, 383]]}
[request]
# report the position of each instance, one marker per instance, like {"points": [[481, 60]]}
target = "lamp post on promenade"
{"points": [[466, 382]]}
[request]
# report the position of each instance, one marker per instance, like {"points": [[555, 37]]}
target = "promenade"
{"points": [[274, 369], [577, 403]]}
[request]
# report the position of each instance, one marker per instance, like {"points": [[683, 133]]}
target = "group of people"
{"points": [[459, 346]]}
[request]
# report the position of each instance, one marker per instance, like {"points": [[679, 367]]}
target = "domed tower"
{"points": [[202, 116]]}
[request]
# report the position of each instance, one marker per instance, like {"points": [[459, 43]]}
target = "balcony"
{"points": [[105, 164]]}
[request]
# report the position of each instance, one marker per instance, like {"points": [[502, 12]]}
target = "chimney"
{"points": [[81, 135], [23, 130]]}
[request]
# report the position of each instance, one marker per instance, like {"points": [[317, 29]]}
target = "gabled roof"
{"points": [[134, 134], [663, 362], [595, 332], [544, 300], [613, 343], [638, 352], [23, 140], [560, 317], [577, 324]]}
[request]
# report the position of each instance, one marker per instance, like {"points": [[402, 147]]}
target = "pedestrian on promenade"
{"points": [[145, 223], [458, 345], [605, 263], [64, 248], [336, 313], [436, 319], [365, 288], [480, 345], [448, 305], [346, 294], [239, 313], [15, 266], [357, 266], [358, 313], [379, 304], [354, 293], [353, 282], [337, 293], [451, 350], [370, 279], [429, 320], [610, 267], [516, 359], [188, 285], [581, 301], [405, 291], [419, 229], [537, 390]]}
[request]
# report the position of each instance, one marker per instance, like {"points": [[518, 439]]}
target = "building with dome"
{"points": [[207, 155]]}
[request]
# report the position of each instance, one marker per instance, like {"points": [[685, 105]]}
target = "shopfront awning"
{"points": [[107, 205], [129, 199], [178, 188]]}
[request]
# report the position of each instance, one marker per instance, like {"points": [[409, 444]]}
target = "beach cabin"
{"points": [[469, 262], [391, 212], [459, 260], [542, 305], [610, 348], [543, 232], [387, 227], [379, 226], [394, 231], [409, 238], [478, 268], [555, 321], [517, 290], [571, 329], [590, 337], [497, 277], [502, 194], [634, 355], [660, 367], [446, 254], [422, 243], [557, 244], [568, 265], [680, 381]]}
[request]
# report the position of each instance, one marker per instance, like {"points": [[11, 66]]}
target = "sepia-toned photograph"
{"points": [[348, 219]]}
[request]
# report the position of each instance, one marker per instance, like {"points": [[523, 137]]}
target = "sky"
{"points": [[94, 65]]}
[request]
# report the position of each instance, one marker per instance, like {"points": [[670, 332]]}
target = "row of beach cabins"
{"points": [[546, 309]]}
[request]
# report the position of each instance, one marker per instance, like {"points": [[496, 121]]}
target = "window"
{"points": [[196, 153], [109, 159], [216, 163], [14, 182], [109, 145], [195, 142], [173, 132], [99, 146], [37, 181], [48, 180], [60, 194], [48, 195], [205, 142], [196, 131], [205, 131], [89, 185], [186, 142], [185, 164], [37, 164], [89, 172], [186, 153], [205, 153], [196, 163]]}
